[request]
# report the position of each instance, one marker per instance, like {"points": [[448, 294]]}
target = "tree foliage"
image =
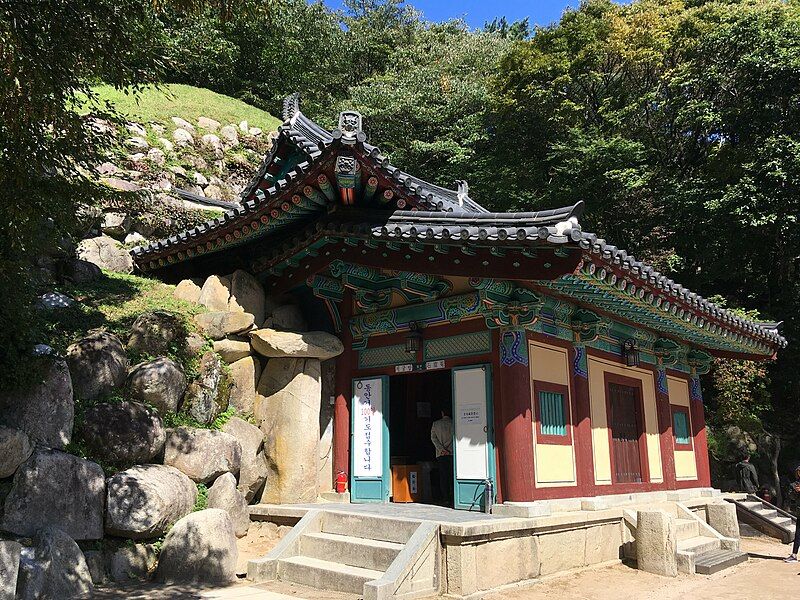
{"points": [[50, 51]]}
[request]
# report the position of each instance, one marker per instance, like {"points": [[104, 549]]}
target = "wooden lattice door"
{"points": [[625, 432]]}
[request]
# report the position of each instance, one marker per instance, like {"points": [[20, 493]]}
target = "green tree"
{"points": [[50, 52], [677, 122], [428, 109]]}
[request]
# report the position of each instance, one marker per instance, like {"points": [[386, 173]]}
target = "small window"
{"points": [[551, 404], [680, 427], [551, 412]]}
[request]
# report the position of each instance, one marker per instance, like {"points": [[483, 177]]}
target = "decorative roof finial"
{"points": [[291, 106], [463, 191], [349, 130]]}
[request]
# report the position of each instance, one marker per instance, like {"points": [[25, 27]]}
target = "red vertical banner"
{"points": [[344, 392], [516, 422], [582, 421], [665, 427]]}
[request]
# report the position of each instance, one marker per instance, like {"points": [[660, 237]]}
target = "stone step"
{"points": [[325, 575], [686, 528], [371, 528], [349, 550], [783, 522], [767, 513], [752, 505], [699, 545], [718, 560]]}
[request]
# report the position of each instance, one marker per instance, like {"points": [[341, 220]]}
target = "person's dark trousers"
{"points": [[796, 545], [445, 464]]}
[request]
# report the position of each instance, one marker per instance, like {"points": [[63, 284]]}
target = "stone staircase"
{"points": [[701, 553], [371, 556], [765, 517], [700, 548]]}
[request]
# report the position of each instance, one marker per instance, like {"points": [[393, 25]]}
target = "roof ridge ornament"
{"points": [[291, 106], [350, 128], [463, 191]]}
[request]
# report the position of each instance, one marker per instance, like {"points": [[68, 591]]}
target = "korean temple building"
{"points": [[571, 368]]}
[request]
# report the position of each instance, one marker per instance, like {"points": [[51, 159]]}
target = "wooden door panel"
{"points": [[625, 433]]}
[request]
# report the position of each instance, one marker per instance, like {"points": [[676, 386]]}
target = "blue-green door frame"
{"points": [[371, 489], [469, 493]]}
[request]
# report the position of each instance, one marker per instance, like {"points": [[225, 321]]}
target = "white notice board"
{"points": [[469, 403], [368, 428]]}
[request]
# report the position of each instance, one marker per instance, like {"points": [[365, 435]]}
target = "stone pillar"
{"points": [[582, 425], [656, 543], [514, 404], [343, 392], [287, 410], [665, 427], [699, 431]]}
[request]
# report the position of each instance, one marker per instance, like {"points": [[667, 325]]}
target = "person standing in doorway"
{"points": [[442, 438], [746, 476]]}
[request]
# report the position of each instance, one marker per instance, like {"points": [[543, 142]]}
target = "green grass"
{"points": [[112, 303], [159, 104]]}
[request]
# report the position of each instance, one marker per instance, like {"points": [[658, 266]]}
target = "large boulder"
{"points": [[223, 494], [215, 293], [15, 448], [247, 295], [285, 344], [245, 373], [207, 396], [287, 410], [59, 489], [107, 253], [145, 500], [188, 291], [232, 350], [253, 469], [54, 568], [131, 561], [288, 317], [98, 365], [154, 332], [123, 433], [202, 454], [116, 224], [200, 548], [80, 271], [96, 561], [229, 135], [219, 324], [45, 411], [9, 568], [160, 382]]}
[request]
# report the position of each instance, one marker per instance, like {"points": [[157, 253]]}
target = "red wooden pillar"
{"points": [[516, 423], [665, 428], [343, 391], [582, 425], [699, 430]]}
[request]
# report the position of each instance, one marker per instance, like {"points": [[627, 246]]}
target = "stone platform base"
{"points": [[520, 542]]}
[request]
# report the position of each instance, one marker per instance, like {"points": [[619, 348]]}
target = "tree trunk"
{"points": [[773, 444]]}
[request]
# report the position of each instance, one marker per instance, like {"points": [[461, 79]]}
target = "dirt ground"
{"points": [[764, 577]]}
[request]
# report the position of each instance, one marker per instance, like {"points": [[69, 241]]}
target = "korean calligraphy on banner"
{"points": [[368, 428]]}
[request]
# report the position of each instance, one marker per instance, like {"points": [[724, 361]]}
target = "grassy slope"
{"points": [[185, 101]]}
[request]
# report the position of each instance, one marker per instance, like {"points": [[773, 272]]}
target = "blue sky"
{"points": [[477, 12]]}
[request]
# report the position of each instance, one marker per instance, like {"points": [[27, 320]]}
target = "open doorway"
{"points": [[417, 400]]}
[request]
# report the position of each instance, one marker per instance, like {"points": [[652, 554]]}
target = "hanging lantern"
{"points": [[414, 339], [630, 353]]}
